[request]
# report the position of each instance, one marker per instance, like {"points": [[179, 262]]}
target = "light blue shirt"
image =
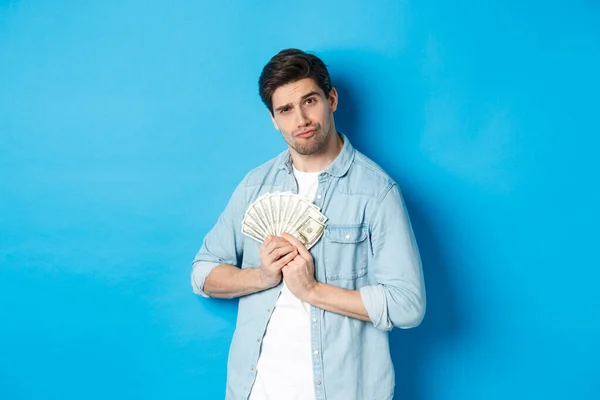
{"points": [[368, 245]]}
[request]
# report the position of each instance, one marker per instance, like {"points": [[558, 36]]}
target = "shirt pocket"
{"points": [[346, 255]]}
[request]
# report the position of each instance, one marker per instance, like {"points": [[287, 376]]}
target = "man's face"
{"points": [[303, 115]]}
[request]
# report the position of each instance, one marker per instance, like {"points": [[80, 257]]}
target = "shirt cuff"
{"points": [[199, 273], [375, 302]]}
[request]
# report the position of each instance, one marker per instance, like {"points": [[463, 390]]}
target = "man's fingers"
{"points": [[285, 260], [266, 242], [274, 247], [301, 249], [281, 251], [280, 241], [291, 239]]}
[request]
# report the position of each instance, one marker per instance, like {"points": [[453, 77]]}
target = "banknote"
{"points": [[278, 212], [308, 232]]}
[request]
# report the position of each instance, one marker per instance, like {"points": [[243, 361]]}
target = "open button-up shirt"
{"points": [[368, 245]]}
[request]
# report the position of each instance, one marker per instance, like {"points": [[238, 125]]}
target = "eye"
{"points": [[284, 110], [310, 100]]}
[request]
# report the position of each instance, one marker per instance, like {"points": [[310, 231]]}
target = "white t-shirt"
{"points": [[284, 369]]}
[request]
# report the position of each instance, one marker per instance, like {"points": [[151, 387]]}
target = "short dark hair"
{"points": [[291, 65]]}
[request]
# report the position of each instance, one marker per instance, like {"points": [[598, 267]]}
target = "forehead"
{"points": [[293, 91]]}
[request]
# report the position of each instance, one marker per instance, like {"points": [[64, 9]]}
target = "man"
{"points": [[314, 324]]}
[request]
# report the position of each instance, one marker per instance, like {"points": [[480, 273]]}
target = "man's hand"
{"points": [[275, 253], [299, 273]]}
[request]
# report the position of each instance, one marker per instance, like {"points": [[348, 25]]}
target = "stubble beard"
{"points": [[307, 147]]}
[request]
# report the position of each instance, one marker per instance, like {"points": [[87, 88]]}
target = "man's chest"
{"points": [[341, 255]]}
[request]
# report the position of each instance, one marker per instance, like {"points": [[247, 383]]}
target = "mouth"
{"points": [[306, 134]]}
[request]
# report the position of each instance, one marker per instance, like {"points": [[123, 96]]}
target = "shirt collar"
{"points": [[337, 168]]}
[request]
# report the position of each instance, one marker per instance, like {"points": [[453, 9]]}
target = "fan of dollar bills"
{"points": [[275, 213]]}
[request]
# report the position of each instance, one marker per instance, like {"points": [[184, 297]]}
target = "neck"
{"points": [[321, 160]]}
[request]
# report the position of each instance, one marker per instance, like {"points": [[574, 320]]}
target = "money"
{"points": [[275, 213], [308, 232]]}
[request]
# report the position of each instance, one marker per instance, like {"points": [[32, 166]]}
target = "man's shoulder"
{"points": [[257, 175], [370, 172]]}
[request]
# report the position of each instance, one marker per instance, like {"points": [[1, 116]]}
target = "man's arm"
{"points": [[299, 276], [398, 298], [338, 300], [229, 281], [223, 244]]}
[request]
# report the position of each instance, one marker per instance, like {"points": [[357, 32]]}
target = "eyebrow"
{"points": [[306, 96]]}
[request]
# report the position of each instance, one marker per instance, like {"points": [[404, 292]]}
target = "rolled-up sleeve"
{"points": [[223, 244], [398, 297]]}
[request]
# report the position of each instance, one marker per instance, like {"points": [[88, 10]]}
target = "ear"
{"points": [[333, 100], [273, 120]]}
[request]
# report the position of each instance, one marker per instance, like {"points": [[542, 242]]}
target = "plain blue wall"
{"points": [[125, 126]]}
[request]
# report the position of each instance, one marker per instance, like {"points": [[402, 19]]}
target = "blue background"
{"points": [[125, 126]]}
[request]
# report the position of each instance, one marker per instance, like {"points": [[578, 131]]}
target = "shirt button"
{"points": [[268, 310], [318, 382], [347, 236], [258, 340], [316, 352], [314, 320], [318, 196]]}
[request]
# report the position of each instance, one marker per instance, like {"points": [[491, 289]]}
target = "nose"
{"points": [[302, 118]]}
